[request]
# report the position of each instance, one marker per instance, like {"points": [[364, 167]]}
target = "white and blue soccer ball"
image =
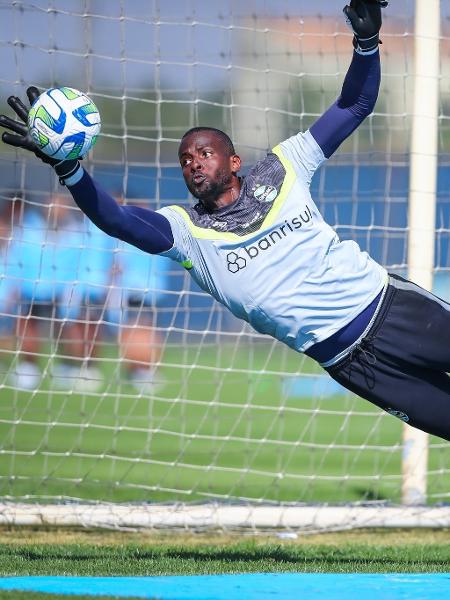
{"points": [[64, 123]]}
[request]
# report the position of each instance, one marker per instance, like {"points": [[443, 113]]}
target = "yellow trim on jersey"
{"points": [[212, 234], [187, 264]]}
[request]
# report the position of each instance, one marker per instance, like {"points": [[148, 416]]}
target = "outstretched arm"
{"points": [[146, 229], [141, 227], [356, 102], [362, 82]]}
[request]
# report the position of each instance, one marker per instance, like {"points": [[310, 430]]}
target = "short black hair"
{"points": [[221, 134]]}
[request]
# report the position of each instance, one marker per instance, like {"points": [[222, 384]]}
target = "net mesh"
{"points": [[120, 379]]}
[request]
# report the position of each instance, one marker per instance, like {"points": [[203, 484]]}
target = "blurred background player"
{"points": [[8, 286], [57, 300], [141, 281], [35, 296], [83, 302]]}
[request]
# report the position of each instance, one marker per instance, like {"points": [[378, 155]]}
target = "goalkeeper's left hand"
{"points": [[21, 138], [364, 19]]}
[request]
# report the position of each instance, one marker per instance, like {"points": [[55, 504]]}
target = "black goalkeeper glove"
{"points": [[364, 19], [21, 137]]}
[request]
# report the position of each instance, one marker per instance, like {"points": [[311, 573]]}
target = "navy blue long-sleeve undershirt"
{"points": [[141, 227], [356, 102], [151, 231]]}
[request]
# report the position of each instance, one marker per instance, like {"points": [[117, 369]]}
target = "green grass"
{"points": [[72, 552], [244, 557], [117, 554], [220, 427]]}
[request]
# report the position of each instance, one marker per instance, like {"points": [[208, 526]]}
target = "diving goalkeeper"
{"points": [[260, 247]]}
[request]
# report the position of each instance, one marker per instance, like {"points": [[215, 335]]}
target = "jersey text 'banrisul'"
{"points": [[271, 258]]}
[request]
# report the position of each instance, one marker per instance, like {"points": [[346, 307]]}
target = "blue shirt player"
{"points": [[261, 248]]}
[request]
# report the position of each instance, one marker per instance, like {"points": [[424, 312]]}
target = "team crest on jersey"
{"points": [[265, 193], [219, 225]]}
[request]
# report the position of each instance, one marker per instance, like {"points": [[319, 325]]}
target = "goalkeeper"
{"points": [[260, 247]]}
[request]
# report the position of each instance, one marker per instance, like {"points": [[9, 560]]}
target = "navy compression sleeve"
{"points": [[356, 102], [144, 228]]}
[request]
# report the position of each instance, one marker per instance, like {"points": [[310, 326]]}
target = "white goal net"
{"points": [[121, 382]]}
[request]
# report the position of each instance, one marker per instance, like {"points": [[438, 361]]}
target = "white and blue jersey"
{"points": [[271, 258], [62, 266], [141, 281]]}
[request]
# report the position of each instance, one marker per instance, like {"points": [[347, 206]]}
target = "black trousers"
{"points": [[401, 365]]}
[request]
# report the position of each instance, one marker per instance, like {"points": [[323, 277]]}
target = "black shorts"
{"points": [[40, 309], [91, 308], [77, 307], [401, 365]]}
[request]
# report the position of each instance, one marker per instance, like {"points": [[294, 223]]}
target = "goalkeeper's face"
{"points": [[209, 169]]}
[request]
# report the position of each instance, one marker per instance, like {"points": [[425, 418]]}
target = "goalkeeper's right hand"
{"points": [[364, 19], [21, 138]]}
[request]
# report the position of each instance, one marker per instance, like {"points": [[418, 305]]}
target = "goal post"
{"points": [[128, 397], [422, 206]]}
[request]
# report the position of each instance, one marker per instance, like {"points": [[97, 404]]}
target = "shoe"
{"points": [[143, 381], [90, 379], [64, 376], [78, 379], [25, 376]]}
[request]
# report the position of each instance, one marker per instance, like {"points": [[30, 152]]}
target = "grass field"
{"points": [[71, 552], [221, 427]]}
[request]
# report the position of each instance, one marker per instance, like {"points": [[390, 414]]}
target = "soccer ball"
{"points": [[64, 123]]}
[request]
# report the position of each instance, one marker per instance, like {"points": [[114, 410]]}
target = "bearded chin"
{"points": [[210, 191]]}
